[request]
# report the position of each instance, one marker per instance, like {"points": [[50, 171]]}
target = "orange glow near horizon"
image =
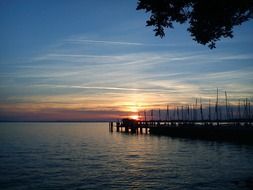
{"points": [[135, 117]]}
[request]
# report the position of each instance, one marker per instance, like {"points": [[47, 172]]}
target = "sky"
{"points": [[96, 60]]}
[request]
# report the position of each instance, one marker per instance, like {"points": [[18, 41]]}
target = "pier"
{"points": [[131, 126], [233, 130], [226, 121], [138, 126]]}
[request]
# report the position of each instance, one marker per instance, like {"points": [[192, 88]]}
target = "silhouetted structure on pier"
{"points": [[224, 122]]}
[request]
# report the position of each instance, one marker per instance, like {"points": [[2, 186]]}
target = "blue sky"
{"points": [[96, 59]]}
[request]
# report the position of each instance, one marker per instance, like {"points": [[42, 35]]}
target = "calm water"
{"points": [[88, 156]]}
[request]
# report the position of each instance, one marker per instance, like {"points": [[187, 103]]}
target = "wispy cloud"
{"points": [[82, 40], [237, 57], [74, 76], [103, 42], [138, 90]]}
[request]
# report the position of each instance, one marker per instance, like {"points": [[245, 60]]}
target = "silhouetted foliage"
{"points": [[209, 20]]}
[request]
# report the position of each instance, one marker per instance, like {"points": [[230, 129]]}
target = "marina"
{"points": [[225, 121], [223, 130]]}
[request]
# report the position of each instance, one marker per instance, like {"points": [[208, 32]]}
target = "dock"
{"points": [[131, 126], [232, 130], [226, 121]]}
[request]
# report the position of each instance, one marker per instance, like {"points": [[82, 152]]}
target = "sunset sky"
{"points": [[96, 60]]}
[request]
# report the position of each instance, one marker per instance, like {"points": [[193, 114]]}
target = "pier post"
{"points": [[118, 126], [111, 126], [133, 130], [140, 130]]}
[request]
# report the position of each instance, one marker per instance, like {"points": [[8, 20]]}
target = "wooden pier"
{"points": [[131, 126], [233, 130], [209, 121], [135, 126]]}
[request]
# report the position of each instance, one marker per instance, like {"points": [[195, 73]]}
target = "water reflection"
{"points": [[87, 156]]}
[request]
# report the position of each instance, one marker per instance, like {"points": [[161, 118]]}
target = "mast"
{"points": [[226, 98], [167, 113], [182, 113], [174, 113], [159, 114], [177, 113], [195, 110], [216, 107], [201, 110], [231, 113], [239, 109], [192, 112], [209, 110], [245, 109], [249, 112], [188, 112]]}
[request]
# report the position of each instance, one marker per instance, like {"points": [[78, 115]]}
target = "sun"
{"points": [[135, 117]]}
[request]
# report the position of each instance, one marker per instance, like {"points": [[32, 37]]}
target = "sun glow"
{"points": [[135, 117]]}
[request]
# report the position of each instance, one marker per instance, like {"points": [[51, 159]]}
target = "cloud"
{"points": [[237, 57], [144, 72], [83, 40], [84, 74], [103, 42]]}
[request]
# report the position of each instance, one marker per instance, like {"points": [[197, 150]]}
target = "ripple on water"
{"points": [[87, 156]]}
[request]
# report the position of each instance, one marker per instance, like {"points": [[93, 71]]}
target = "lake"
{"points": [[88, 156]]}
